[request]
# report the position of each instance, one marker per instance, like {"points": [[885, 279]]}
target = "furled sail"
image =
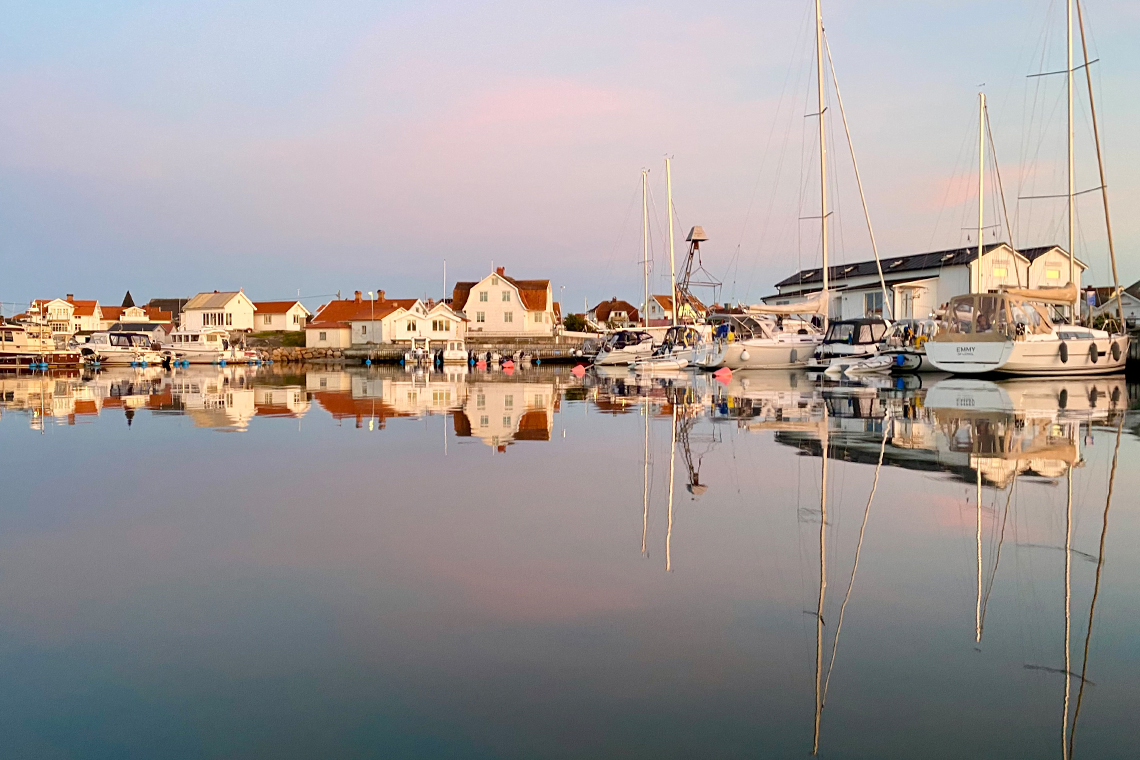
{"points": [[1064, 295], [814, 305]]}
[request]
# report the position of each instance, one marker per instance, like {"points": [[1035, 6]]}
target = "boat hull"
{"points": [[1079, 356], [758, 354]]}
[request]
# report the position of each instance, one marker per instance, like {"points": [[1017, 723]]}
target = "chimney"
{"points": [[357, 298], [379, 295], [501, 271], [71, 298]]}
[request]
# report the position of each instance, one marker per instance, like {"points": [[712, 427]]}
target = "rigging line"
{"points": [[1001, 539], [855, 565], [622, 231], [764, 234], [950, 184], [1001, 188], [1026, 140], [1096, 583], [858, 180]]}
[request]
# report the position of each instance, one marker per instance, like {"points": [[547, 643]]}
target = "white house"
{"points": [[613, 313], [503, 306], [660, 310], [58, 313], [280, 316], [232, 310], [363, 322], [919, 284], [1102, 301]]}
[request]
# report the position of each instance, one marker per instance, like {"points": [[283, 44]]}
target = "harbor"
{"points": [[526, 381]]}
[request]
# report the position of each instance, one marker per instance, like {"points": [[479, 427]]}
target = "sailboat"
{"points": [[783, 337], [1011, 331]]}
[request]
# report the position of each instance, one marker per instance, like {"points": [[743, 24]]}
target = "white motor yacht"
{"points": [[682, 346], [205, 346], [849, 341], [748, 342], [454, 352], [1011, 333], [624, 347], [129, 348]]}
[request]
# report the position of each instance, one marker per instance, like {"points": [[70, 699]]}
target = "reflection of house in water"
{"points": [[216, 397], [280, 401], [44, 397], [499, 413], [377, 396]]}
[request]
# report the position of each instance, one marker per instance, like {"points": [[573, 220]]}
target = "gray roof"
{"points": [[173, 305], [213, 300], [911, 263]]}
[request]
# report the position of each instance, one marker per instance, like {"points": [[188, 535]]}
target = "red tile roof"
{"points": [[336, 313], [275, 307]]}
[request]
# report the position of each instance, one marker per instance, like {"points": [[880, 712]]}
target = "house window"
{"points": [[1000, 271], [324, 380], [507, 421], [508, 401], [296, 319], [508, 316], [229, 319], [506, 296], [439, 325], [364, 329], [1052, 274], [481, 401], [873, 303], [323, 336], [482, 296], [538, 316], [494, 280], [480, 316], [484, 421], [411, 325], [267, 319]]}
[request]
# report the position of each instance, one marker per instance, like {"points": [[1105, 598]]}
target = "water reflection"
{"points": [[821, 564]]}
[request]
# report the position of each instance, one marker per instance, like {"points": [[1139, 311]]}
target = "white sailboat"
{"points": [[1011, 331]]}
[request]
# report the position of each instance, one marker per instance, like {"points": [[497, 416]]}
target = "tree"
{"points": [[575, 323]]}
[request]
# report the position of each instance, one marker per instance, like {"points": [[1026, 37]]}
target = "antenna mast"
{"points": [[822, 160]]}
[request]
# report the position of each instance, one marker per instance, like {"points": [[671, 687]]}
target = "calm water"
{"points": [[379, 564]]}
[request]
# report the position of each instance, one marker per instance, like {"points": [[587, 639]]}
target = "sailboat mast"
{"points": [[672, 263], [1100, 165], [645, 244], [1072, 178], [981, 182], [822, 161]]}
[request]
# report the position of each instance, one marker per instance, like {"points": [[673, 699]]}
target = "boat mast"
{"points": [[822, 160], [1069, 91], [672, 263], [645, 244], [981, 181], [1100, 165]]}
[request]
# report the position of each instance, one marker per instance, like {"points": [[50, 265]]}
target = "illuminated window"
{"points": [[1000, 272], [1052, 274]]}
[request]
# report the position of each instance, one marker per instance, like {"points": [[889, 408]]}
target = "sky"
{"points": [[286, 147]]}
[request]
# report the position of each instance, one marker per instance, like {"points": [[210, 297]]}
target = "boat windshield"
{"points": [[995, 313], [856, 332]]}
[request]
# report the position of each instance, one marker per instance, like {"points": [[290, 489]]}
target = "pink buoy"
{"points": [[481, 364], [578, 371], [724, 374], [508, 364], [508, 369]]}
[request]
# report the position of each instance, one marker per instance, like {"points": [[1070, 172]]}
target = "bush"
{"points": [[575, 323], [293, 339]]}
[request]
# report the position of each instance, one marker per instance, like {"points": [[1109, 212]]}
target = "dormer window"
{"points": [[896, 263], [949, 256], [848, 269]]}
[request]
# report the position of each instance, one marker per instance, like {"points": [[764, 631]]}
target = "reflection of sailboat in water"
{"points": [[685, 407]]}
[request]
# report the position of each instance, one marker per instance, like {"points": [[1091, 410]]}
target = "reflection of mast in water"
{"points": [[978, 608], [855, 564], [822, 584], [645, 484], [1068, 600], [1096, 583], [997, 558], [672, 461]]}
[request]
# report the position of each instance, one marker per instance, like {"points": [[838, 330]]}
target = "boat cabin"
{"points": [[996, 314], [625, 339], [682, 336], [857, 332], [205, 339]]}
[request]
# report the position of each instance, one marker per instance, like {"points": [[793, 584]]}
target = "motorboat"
{"points": [[419, 352], [32, 346], [682, 345], [751, 342], [130, 348], [849, 341], [624, 347], [1011, 333], [453, 352], [905, 350], [205, 346]]}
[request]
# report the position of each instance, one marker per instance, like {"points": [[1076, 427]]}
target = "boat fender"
{"points": [[1115, 396], [1064, 352], [1093, 355], [745, 356], [367, 362], [900, 360], [1115, 351], [1063, 398], [794, 357]]}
